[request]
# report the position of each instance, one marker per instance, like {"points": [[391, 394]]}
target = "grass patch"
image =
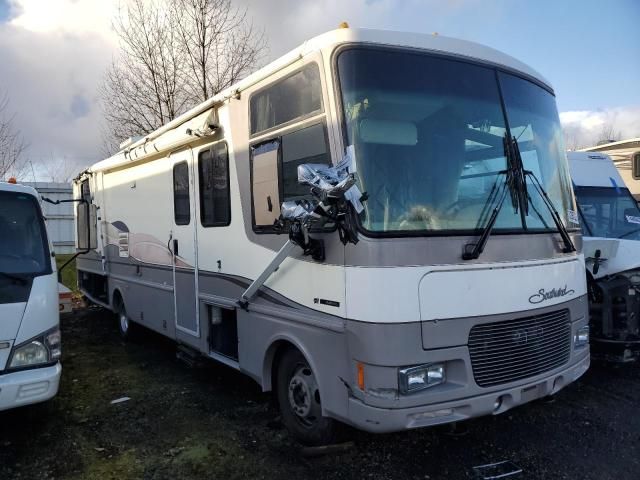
{"points": [[69, 274]]}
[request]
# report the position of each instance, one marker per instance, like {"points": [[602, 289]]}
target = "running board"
{"points": [[188, 356]]}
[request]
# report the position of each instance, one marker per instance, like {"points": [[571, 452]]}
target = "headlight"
{"points": [[41, 350], [413, 379], [581, 338], [53, 341]]}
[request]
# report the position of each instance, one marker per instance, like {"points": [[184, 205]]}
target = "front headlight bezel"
{"points": [[404, 375], [581, 337], [49, 340]]}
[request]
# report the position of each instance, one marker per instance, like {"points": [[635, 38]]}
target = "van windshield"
{"points": [[609, 212], [23, 244], [428, 134]]}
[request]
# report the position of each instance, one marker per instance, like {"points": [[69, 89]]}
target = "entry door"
{"points": [[183, 242]]}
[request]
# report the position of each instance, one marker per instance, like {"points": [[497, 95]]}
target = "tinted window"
{"points": [[181, 209], [213, 169], [308, 145], [23, 245], [609, 212], [293, 97]]}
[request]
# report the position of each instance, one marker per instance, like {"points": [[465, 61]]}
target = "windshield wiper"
{"points": [[568, 244], [473, 250], [14, 277], [514, 184]]}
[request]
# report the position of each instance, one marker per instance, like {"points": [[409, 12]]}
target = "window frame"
{"points": [[200, 191], [278, 138], [293, 121], [173, 186]]}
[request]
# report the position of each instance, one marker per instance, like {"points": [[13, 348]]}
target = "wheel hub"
{"points": [[124, 322], [304, 396]]}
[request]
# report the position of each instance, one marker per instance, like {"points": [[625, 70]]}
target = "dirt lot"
{"points": [[213, 422]]}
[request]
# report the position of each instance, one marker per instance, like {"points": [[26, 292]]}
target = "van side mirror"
{"points": [[86, 235]]}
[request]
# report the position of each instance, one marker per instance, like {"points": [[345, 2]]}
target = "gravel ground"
{"points": [[213, 422]]}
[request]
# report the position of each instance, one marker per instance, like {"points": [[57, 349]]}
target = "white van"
{"points": [[611, 243], [29, 320]]}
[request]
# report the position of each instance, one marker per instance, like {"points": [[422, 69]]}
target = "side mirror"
{"points": [[86, 218]]}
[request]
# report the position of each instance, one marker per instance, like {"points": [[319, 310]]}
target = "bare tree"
{"points": [[608, 132], [174, 55], [220, 45], [12, 145], [143, 88], [57, 169], [572, 137]]}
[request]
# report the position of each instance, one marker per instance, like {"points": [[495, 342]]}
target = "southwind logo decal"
{"points": [[543, 296]]}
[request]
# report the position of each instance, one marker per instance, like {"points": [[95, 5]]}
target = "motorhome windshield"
{"points": [[23, 244], [609, 212], [428, 134]]}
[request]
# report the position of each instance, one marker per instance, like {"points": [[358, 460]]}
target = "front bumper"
{"points": [[29, 386], [380, 420]]}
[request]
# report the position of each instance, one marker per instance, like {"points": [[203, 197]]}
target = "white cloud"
{"points": [[53, 54], [68, 16], [585, 128]]}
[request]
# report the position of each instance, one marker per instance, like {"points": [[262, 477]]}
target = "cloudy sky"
{"points": [[53, 54]]}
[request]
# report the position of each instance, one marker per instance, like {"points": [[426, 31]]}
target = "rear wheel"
{"points": [[300, 401]]}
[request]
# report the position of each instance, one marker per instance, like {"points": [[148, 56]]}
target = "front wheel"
{"points": [[300, 402]]}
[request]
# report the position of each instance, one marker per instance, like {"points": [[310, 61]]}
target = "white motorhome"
{"points": [[29, 320], [445, 284], [611, 228], [626, 158]]}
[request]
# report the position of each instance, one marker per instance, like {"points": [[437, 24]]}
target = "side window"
{"points": [[308, 145], [635, 167], [264, 183], [293, 97], [181, 208], [213, 175], [274, 170]]}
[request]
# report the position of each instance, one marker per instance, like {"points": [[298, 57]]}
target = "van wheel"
{"points": [[300, 402], [126, 327]]}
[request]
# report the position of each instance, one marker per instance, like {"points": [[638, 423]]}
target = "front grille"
{"points": [[503, 352]]}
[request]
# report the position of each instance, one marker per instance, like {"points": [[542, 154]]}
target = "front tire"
{"points": [[300, 401]]}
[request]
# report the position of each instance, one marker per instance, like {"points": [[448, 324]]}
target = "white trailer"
{"points": [[400, 310], [611, 228], [29, 320]]}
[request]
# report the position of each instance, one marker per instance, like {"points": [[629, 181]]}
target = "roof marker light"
{"points": [[12, 180], [343, 25]]}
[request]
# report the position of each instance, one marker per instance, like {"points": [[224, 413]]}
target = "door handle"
{"points": [[175, 247], [269, 204]]}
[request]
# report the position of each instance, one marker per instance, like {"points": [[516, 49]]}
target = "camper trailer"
{"points": [[378, 226], [626, 158], [29, 320], [611, 227]]}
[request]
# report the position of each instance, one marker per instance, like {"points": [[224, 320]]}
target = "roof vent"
{"points": [[129, 141]]}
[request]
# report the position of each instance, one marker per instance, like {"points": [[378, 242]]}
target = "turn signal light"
{"points": [[360, 367]]}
